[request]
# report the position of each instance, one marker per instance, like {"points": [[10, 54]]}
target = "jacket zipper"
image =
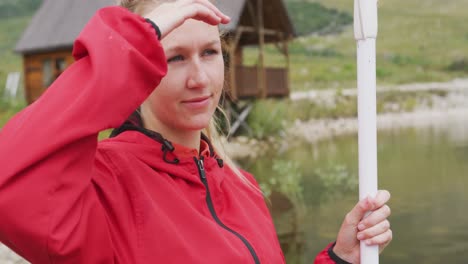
{"points": [[209, 201]]}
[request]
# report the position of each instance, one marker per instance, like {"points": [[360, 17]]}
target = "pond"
{"points": [[426, 171]]}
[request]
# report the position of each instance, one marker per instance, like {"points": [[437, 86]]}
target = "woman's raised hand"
{"points": [[373, 230], [168, 16]]}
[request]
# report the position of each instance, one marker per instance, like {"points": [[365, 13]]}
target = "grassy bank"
{"points": [[10, 32], [281, 114], [8, 109]]}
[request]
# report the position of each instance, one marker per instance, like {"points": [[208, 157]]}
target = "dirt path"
{"points": [[324, 95]]}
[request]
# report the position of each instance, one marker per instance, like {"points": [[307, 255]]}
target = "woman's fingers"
{"points": [[209, 15], [375, 230], [222, 17], [358, 212], [366, 205], [389, 239], [381, 240], [381, 198], [377, 216], [202, 13], [169, 16]]}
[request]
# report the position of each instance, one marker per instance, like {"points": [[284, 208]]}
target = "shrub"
{"points": [[315, 18], [460, 64], [267, 118]]}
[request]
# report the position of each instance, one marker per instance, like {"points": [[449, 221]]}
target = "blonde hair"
{"points": [[212, 131], [141, 6]]}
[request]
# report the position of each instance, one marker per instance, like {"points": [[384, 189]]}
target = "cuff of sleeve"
{"points": [[334, 257], [156, 28]]}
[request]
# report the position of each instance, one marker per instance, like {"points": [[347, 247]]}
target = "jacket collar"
{"points": [[150, 152], [170, 155]]}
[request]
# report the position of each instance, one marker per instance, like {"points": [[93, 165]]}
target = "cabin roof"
{"points": [[57, 24]]}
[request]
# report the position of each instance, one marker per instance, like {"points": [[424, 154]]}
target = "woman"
{"points": [[158, 191]]}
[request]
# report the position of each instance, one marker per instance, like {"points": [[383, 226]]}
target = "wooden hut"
{"points": [[46, 45], [256, 23]]}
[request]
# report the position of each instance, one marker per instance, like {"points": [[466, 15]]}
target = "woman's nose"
{"points": [[197, 76]]}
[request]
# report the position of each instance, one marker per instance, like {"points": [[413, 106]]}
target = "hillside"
{"points": [[15, 8], [419, 41]]}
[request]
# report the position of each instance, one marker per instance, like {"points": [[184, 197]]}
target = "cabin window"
{"points": [[47, 73], [51, 70], [60, 65]]}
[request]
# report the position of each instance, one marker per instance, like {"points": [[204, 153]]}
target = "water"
{"points": [[426, 171]]}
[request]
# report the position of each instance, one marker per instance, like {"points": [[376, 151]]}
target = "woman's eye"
{"points": [[209, 52], [176, 58]]}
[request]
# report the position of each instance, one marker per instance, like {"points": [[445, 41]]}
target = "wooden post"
{"points": [[27, 92], [233, 45], [232, 71], [261, 81], [288, 61]]}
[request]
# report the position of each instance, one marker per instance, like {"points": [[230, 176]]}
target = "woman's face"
{"points": [[188, 95]]}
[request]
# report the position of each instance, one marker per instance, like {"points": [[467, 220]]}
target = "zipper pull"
{"points": [[201, 168]]}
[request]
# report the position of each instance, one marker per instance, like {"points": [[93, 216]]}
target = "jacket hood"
{"points": [[158, 152]]}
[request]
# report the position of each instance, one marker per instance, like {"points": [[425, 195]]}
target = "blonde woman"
{"points": [[159, 190]]}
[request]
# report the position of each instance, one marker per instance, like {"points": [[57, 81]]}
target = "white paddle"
{"points": [[365, 32]]}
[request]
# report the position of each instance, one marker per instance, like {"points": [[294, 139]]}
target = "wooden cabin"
{"points": [[256, 23], [46, 45]]}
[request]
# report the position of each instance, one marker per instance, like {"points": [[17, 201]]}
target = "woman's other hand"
{"points": [[373, 229], [171, 15]]}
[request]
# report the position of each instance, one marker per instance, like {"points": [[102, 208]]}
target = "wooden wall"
{"points": [[41, 69]]}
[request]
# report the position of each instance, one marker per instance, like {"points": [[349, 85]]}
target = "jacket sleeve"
{"points": [[328, 257], [49, 209]]}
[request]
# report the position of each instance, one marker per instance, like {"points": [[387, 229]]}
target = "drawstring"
{"points": [[212, 152], [220, 162], [167, 146]]}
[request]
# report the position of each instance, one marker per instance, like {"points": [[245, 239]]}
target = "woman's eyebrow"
{"points": [[214, 42], [179, 48]]}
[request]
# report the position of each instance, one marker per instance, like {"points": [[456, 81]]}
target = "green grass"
{"points": [[9, 108], [10, 32], [14, 8], [419, 41], [310, 17]]}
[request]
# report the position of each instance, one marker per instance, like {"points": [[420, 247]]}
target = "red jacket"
{"points": [[65, 198]]}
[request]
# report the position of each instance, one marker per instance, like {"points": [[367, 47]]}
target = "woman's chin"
{"points": [[196, 124]]}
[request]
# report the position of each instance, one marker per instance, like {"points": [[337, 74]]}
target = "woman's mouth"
{"points": [[197, 102]]}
